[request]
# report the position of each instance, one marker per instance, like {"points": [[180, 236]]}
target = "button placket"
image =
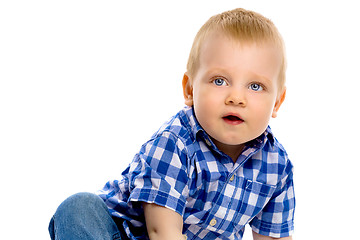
{"points": [[213, 222], [208, 143], [232, 178]]}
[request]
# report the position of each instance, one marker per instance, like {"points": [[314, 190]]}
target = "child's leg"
{"points": [[83, 216]]}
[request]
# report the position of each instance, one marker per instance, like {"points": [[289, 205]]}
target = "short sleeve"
{"points": [[277, 218], [158, 173]]}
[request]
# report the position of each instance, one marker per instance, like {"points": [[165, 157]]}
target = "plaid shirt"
{"points": [[180, 168]]}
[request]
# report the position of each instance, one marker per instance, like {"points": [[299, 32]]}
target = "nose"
{"points": [[236, 98]]}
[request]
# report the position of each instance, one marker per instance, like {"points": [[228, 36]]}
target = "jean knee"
{"points": [[80, 204], [82, 198], [83, 214]]}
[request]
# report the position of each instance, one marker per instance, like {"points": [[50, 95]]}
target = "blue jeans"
{"points": [[84, 216]]}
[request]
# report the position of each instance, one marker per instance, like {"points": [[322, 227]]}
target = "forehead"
{"points": [[221, 51]]}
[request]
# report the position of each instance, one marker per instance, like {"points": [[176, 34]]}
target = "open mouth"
{"points": [[232, 119]]}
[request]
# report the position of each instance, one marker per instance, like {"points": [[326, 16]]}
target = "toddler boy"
{"points": [[213, 167]]}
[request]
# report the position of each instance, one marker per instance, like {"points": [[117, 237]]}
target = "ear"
{"points": [[187, 90], [278, 103]]}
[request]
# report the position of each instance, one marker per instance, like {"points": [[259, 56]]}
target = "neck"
{"points": [[232, 151]]}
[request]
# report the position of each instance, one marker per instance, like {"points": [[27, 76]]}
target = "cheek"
{"points": [[206, 108], [262, 109], [203, 107], [204, 97]]}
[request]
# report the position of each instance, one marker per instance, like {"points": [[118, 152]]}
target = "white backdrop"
{"points": [[84, 83]]}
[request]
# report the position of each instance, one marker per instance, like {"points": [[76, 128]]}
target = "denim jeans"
{"points": [[84, 216]]}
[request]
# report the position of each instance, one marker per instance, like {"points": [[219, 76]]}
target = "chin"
{"points": [[234, 142]]}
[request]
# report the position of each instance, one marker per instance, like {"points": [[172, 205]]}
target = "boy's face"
{"points": [[235, 90]]}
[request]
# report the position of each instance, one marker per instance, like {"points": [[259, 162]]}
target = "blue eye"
{"points": [[219, 82], [256, 87]]}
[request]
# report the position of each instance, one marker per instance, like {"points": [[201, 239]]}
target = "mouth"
{"points": [[233, 119]]}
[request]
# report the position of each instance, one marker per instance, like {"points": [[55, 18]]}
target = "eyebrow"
{"points": [[267, 80], [216, 70]]}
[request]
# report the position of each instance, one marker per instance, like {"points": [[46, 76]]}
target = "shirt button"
{"points": [[232, 178], [213, 222], [207, 142]]}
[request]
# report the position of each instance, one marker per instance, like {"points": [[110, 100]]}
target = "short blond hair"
{"points": [[243, 26]]}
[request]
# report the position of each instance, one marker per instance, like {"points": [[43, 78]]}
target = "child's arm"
{"points": [[257, 236], [162, 223]]}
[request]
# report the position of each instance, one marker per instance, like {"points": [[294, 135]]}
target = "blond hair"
{"points": [[241, 25]]}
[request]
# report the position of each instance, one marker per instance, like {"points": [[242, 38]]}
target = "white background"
{"points": [[84, 83]]}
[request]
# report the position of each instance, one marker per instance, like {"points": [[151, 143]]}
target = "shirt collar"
{"points": [[193, 124], [260, 141], [197, 131]]}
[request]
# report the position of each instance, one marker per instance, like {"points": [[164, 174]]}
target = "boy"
{"points": [[213, 167]]}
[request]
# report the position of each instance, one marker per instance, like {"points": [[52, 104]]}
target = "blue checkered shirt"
{"points": [[180, 168]]}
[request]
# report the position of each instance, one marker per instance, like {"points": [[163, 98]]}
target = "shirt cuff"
{"points": [[160, 198], [275, 230]]}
